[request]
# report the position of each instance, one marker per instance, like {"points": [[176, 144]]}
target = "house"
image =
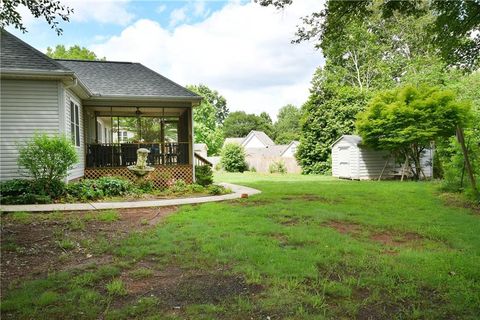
{"points": [[261, 152], [352, 160], [84, 100]]}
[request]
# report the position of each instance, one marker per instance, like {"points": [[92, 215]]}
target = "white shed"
{"points": [[351, 160]]}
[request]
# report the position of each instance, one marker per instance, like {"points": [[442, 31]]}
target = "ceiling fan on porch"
{"points": [[138, 113]]}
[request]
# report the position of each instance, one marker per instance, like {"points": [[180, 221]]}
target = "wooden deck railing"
{"points": [[201, 161], [99, 155]]}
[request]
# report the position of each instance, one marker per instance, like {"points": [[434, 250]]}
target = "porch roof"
{"points": [[125, 80]]}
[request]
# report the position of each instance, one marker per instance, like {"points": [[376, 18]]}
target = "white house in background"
{"points": [[123, 135], [200, 149], [352, 160], [261, 151]]}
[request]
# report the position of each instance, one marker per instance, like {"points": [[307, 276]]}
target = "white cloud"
{"points": [[161, 8], [102, 11], [177, 16], [243, 51]]}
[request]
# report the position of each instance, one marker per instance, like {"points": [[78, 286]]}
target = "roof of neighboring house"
{"points": [[294, 142], [262, 136], [107, 78], [19, 55], [353, 139], [233, 140], [200, 146]]}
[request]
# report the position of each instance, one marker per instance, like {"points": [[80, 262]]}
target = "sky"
{"points": [[236, 47]]}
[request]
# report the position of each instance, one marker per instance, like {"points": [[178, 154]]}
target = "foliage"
{"points": [[73, 52], [277, 167], [328, 114], [179, 186], [216, 190], [287, 126], [51, 10], [453, 32], [47, 157], [213, 98], [406, 120], [239, 124], [145, 185], [22, 191], [206, 128], [90, 189], [203, 175], [233, 158]]}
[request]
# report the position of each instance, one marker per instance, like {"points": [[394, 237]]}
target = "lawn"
{"points": [[308, 247]]}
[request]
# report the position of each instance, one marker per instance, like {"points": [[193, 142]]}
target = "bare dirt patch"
{"points": [[344, 227], [291, 220], [40, 245], [177, 287], [396, 239]]}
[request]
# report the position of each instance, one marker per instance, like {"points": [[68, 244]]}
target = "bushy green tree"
{"points": [[406, 120], [73, 52], [47, 160], [287, 126], [238, 124], [215, 99], [233, 158]]}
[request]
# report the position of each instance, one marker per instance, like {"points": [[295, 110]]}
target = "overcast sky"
{"points": [[239, 48]]}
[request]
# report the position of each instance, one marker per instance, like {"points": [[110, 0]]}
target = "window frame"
{"points": [[75, 124]]}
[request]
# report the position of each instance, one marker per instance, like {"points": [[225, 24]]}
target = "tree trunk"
{"points": [[468, 165]]}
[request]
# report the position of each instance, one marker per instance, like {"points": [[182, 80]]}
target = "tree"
{"points": [[215, 99], [329, 113], [406, 120], [233, 158], [73, 52], [454, 32], [287, 127], [239, 124], [51, 10], [206, 129]]}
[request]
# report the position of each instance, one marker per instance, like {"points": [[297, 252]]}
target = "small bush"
{"points": [[89, 189], [196, 188], [204, 175], [112, 186], [277, 167], [21, 191], [216, 190], [145, 186], [52, 188], [179, 186], [47, 157], [233, 158]]}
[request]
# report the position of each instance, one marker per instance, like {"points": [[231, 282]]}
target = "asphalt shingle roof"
{"points": [[106, 78], [262, 136], [16, 54]]}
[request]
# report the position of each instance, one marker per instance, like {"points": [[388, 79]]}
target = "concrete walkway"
{"points": [[237, 192]]}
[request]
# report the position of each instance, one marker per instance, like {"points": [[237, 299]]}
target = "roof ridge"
{"points": [[101, 61], [35, 51], [171, 81]]}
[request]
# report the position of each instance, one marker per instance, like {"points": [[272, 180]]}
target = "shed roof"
{"points": [[107, 78], [18, 55], [353, 139]]}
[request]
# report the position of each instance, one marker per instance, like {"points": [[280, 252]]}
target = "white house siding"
{"points": [[344, 160], [78, 170], [253, 142], [26, 107]]}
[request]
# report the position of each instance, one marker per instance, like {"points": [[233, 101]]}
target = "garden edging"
{"points": [[237, 192]]}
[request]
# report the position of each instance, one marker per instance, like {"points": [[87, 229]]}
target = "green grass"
{"points": [[281, 241]]}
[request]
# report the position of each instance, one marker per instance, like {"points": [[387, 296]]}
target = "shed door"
{"points": [[344, 162]]}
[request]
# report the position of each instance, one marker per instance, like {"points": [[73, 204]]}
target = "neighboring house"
{"points": [[352, 160], [79, 99], [261, 152], [123, 135], [201, 149]]}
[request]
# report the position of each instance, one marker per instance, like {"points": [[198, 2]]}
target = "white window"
{"points": [[75, 124]]}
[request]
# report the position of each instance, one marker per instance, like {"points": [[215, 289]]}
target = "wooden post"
{"points": [[383, 170], [468, 166]]}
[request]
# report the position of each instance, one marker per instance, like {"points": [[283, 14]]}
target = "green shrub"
{"points": [[233, 158], [90, 189], [47, 157], [145, 186], [112, 186], [179, 186], [195, 188], [203, 175], [53, 188], [84, 190], [216, 190], [277, 167], [21, 191]]}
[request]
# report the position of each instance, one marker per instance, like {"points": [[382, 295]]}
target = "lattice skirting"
{"points": [[162, 176]]}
